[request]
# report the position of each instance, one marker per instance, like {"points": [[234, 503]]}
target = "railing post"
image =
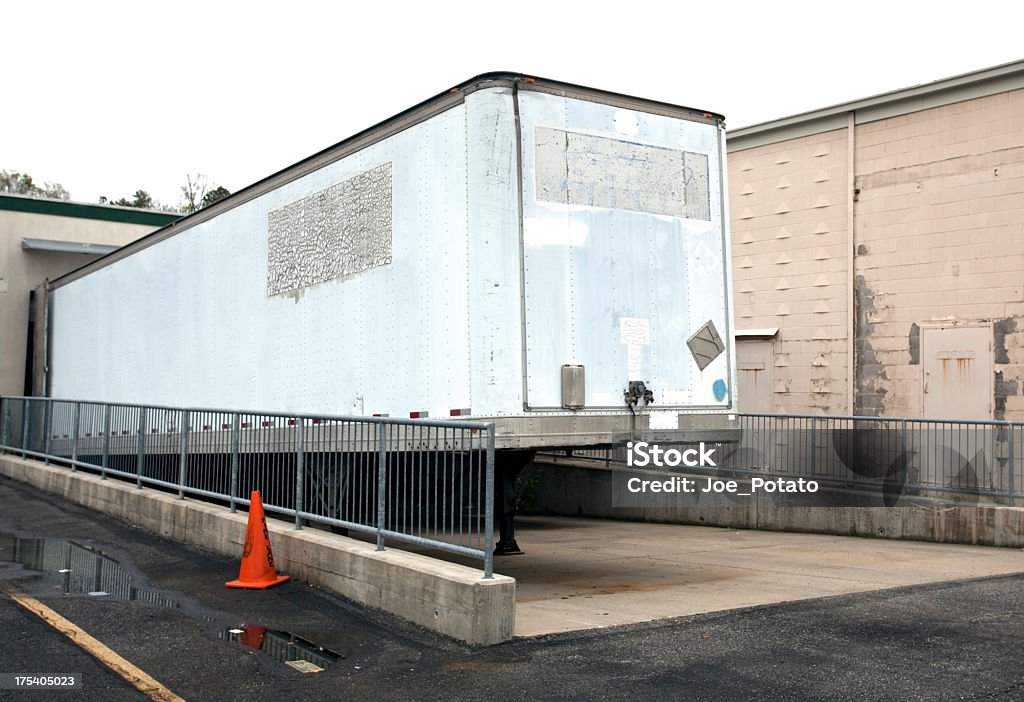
{"points": [[382, 484], [5, 424], [300, 455], [48, 430], [1013, 467], [24, 426], [236, 428], [106, 443], [76, 419], [814, 444], [183, 458], [904, 451], [489, 512], [141, 459], [4, 417]]}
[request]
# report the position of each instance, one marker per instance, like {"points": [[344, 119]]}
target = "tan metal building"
{"points": [[879, 253], [41, 239]]}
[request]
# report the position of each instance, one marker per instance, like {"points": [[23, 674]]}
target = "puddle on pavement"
{"points": [[73, 569], [304, 654]]}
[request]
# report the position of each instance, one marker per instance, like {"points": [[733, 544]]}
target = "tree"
{"points": [[140, 199], [16, 183], [197, 193], [218, 193]]}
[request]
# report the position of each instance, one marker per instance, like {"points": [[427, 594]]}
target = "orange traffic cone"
{"points": [[258, 572]]}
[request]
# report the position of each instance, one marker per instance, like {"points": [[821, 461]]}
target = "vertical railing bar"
{"points": [[399, 485], [47, 429], [413, 465], [300, 478], [447, 489], [236, 429], [449, 462], [105, 460], [184, 417], [76, 419], [141, 461], [814, 436], [381, 484], [24, 427], [5, 419], [1013, 468], [462, 487], [435, 529], [489, 520], [360, 458], [903, 450], [959, 450], [472, 492]]}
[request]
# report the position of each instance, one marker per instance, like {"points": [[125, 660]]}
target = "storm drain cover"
{"points": [[706, 345]]}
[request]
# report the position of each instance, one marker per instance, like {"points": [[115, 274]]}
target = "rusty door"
{"points": [[957, 365], [754, 368]]}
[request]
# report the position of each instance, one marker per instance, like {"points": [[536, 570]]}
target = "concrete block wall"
{"points": [[790, 266], [938, 237]]}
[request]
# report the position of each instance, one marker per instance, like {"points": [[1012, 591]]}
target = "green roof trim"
{"points": [[105, 213]]}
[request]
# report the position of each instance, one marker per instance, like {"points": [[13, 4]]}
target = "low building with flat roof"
{"points": [[42, 239]]}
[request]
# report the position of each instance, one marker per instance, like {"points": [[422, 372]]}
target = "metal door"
{"points": [[754, 366], [958, 373]]}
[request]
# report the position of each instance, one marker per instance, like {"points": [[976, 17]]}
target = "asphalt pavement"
{"points": [[939, 641]]}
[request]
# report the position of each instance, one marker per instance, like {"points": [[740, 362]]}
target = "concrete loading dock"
{"points": [[587, 573]]}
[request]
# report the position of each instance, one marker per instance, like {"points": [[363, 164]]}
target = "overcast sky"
{"points": [[110, 97]]}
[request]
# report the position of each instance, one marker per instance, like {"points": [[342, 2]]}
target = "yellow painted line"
{"points": [[144, 682]]}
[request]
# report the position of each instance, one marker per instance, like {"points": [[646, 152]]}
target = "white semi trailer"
{"points": [[546, 256]]}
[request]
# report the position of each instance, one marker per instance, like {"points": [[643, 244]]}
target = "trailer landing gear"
{"points": [[507, 467]]}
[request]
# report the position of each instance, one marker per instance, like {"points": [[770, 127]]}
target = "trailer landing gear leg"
{"points": [[507, 467]]}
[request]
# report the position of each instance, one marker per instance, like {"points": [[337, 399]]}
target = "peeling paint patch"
{"points": [[870, 391], [914, 339], [1007, 336], [340, 231], [1001, 328], [862, 250], [1004, 389]]}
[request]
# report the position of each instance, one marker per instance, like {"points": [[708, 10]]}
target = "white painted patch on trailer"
{"points": [[575, 168]]}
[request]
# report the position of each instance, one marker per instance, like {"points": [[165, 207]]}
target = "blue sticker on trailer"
{"points": [[720, 389]]}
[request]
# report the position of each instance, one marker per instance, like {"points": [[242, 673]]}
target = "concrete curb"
{"points": [[448, 598]]}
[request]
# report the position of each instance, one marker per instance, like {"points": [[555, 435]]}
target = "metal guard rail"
{"points": [[942, 456], [427, 482]]}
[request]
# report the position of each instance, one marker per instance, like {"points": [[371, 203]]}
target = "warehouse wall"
{"points": [[790, 267], [940, 238], [938, 259]]}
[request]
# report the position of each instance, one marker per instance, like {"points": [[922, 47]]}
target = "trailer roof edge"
{"points": [[382, 130]]}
